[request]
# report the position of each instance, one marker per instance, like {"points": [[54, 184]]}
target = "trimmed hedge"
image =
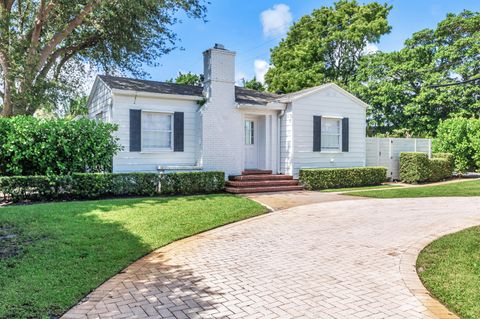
{"points": [[191, 183], [322, 178], [31, 146], [417, 167], [98, 185], [414, 167]]}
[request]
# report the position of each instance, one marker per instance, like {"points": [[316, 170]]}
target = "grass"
{"points": [[450, 268], [470, 188], [52, 255], [350, 189]]}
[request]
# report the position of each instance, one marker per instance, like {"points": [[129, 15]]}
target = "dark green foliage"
{"points": [[439, 169], [460, 137], [414, 167], [29, 146], [401, 87], [98, 185], [322, 178], [326, 45], [191, 183], [254, 84], [417, 167], [188, 79]]}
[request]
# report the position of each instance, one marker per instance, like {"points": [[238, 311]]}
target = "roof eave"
{"points": [[158, 95]]}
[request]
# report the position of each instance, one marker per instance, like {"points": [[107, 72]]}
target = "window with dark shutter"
{"points": [[135, 130], [345, 134], [178, 132], [317, 133]]}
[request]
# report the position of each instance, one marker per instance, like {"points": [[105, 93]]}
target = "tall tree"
{"points": [[403, 87], [188, 78], [40, 40], [326, 46], [254, 84]]}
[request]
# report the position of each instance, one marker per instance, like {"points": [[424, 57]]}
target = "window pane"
{"points": [[156, 140], [249, 132], [156, 121], [330, 134]]}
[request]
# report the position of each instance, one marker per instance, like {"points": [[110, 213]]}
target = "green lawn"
{"points": [[450, 269], [51, 255], [470, 188], [350, 189]]}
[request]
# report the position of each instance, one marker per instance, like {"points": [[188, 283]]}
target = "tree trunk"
{"points": [[7, 97]]}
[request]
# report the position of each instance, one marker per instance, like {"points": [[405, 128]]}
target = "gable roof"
{"points": [[249, 96], [129, 84], [306, 92], [242, 95]]}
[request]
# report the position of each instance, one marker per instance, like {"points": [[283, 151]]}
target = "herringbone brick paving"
{"points": [[350, 259]]}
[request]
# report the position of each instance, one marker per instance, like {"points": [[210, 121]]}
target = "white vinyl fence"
{"points": [[386, 152]]}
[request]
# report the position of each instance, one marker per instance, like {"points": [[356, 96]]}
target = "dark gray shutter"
{"points": [[317, 133], [178, 135], [135, 130], [345, 134]]}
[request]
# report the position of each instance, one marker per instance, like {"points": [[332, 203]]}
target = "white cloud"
{"points": [[370, 48], [261, 68], [276, 20]]}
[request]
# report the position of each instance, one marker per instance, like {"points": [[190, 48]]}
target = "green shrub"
{"points": [[439, 169], [417, 167], [322, 178], [192, 183], [30, 146], [461, 138], [449, 158], [98, 185], [414, 167]]}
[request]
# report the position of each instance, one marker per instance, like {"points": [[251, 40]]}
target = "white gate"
{"points": [[386, 152]]}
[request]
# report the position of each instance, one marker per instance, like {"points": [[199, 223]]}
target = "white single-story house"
{"points": [[171, 127]]}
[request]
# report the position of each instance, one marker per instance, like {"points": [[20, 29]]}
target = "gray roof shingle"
{"points": [[242, 95], [120, 83]]}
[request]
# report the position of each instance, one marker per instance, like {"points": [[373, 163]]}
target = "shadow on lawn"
{"points": [[78, 252]]}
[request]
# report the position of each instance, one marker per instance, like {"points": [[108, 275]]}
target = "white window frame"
{"points": [[251, 133], [157, 150], [340, 137]]}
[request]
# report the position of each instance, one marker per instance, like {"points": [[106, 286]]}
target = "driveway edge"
{"points": [[408, 270]]}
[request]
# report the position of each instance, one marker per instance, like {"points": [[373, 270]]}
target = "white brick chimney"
{"points": [[222, 123]]}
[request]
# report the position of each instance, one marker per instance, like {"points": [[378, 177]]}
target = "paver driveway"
{"points": [[350, 259]]}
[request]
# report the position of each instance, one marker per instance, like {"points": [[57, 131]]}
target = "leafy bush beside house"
{"points": [[416, 167], [322, 178], [30, 146], [461, 138], [98, 185]]}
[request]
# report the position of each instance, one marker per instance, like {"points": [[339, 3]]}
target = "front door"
{"points": [[251, 143]]}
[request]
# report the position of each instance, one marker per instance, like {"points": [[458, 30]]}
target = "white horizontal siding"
{"points": [[126, 161], [328, 102], [100, 101]]}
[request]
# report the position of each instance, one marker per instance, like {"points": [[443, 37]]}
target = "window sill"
{"points": [[157, 151], [331, 152]]}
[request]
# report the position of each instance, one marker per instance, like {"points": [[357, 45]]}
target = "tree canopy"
{"points": [[405, 88], [254, 84], [46, 45], [188, 79], [326, 46]]}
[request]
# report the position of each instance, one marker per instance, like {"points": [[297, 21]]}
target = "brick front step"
{"points": [[245, 190], [288, 182], [261, 177], [256, 172]]}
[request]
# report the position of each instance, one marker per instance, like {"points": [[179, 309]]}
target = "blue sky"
{"points": [[251, 28]]}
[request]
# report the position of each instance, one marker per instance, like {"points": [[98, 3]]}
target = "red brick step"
{"points": [[245, 190], [256, 172], [254, 183], [261, 177]]}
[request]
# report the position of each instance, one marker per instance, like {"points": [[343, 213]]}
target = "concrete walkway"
{"points": [[340, 259]]}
